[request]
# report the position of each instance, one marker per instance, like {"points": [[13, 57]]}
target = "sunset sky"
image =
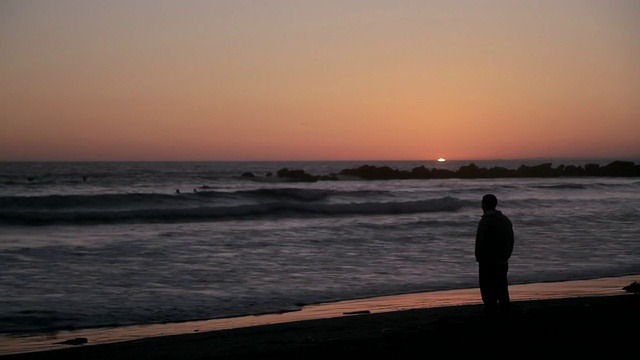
{"points": [[318, 80]]}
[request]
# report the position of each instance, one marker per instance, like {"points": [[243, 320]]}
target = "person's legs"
{"points": [[502, 286], [487, 276]]}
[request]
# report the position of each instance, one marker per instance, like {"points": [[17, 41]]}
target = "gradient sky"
{"points": [[318, 80]]}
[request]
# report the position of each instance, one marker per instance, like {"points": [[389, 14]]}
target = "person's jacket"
{"points": [[494, 238]]}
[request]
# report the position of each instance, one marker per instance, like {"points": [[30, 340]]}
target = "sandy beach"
{"points": [[575, 317]]}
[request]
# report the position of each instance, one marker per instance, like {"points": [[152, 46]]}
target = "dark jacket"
{"points": [[494, 238]]}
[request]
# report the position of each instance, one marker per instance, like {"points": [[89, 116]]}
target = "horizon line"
{"points": [[613, 158]]}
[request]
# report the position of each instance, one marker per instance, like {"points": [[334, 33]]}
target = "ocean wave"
{"points": [[304, 194], [25, 182], [281, 209], [82, 201], [562, 186], [143, 200], [583, 186]]}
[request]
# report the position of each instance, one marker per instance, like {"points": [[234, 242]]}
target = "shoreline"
{"points": [[462, 301]]}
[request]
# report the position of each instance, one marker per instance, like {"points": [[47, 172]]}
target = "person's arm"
{"points": [[482, 239], [511, 238]]}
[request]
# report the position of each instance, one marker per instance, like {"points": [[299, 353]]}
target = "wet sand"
{"points": [[576, 317]]}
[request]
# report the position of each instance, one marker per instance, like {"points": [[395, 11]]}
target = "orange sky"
{"points": [[318, 80]]}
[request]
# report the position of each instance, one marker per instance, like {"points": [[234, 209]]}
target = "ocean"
{"points": [[90, 244]]}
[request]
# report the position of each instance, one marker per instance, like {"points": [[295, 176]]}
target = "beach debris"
{"points": [[76, 341], [634, 287], [357, 312]]}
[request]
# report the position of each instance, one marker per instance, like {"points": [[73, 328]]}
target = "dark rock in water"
{"points": [[76, 341], [296, 175], [572, 170], [376, 173], [541, 170], [248, 174], [620, 168], [442, 173], [420, 172], [634, 287], [592, 170], [471, 171]]}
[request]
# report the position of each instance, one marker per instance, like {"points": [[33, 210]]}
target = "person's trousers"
{"points": [[494, 287]]}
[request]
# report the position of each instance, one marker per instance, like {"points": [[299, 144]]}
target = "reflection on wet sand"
{"points": [[19, 343]]}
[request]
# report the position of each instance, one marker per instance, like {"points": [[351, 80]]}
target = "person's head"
{"points": [[489, 202]]}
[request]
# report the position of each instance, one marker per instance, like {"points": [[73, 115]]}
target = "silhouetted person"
{"points": [[494, 245]]}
